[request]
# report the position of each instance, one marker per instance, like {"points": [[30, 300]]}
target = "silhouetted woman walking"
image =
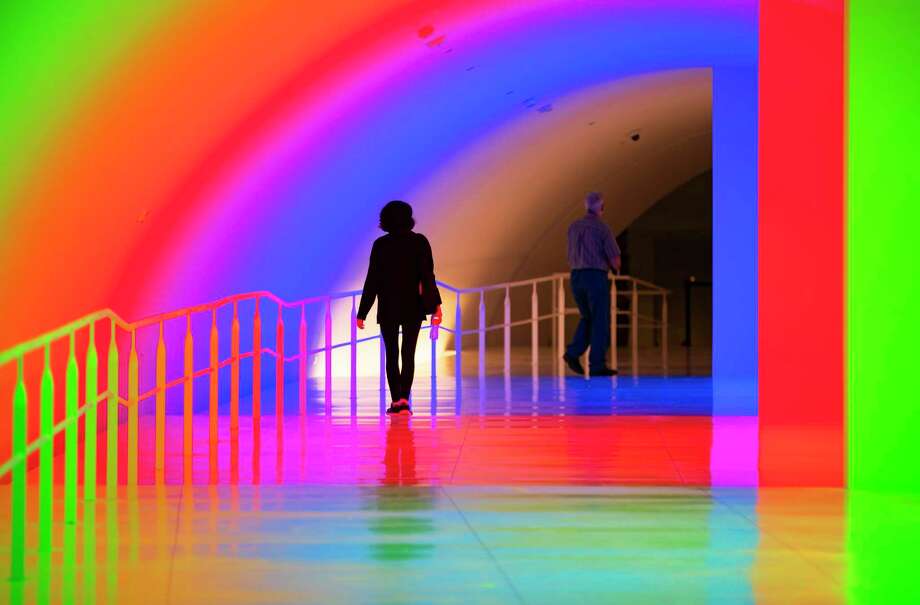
{"points": [[401, 277]]}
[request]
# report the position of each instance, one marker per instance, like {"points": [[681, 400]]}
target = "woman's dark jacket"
{"points": [[399, 263]]}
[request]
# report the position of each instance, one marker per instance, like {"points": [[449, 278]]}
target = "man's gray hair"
{"points": [[593, 200]]}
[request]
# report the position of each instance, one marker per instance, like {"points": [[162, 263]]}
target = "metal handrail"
{"points": [[44, 443], [38, 342]]}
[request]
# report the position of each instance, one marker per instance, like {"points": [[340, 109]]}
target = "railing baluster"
{"points": [[160, 429], [18, 479], [213, 398], [383, 374], [534, 331], [328, 355], [188, 401], [560, 325], [614, 362], [111, 420], [256, 368], [91, 420], [132, 409], [634, 329], [507, 332], [482, 333], [70, 435], [554, 302], [279, 378], [353, 331], [433, 334], [46, 457], [458, 353], [302, 362]]}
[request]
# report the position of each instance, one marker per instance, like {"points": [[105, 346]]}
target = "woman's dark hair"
{"points": [[396, 217]]}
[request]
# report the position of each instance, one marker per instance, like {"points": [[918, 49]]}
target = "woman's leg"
{"points": [[410, 339], [390, 333]]}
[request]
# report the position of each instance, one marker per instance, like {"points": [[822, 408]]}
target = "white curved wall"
{"points": [[513, 223]]}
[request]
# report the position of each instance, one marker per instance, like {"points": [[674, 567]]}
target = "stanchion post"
{"points": [[614, 362], [482, 334], [634, 328]]}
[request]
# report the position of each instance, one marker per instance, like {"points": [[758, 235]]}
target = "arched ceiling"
{"points": [[226, 148], [501, 211]]}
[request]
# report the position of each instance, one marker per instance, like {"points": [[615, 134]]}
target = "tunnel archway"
{"points": [[175, 126], [230, 184]]}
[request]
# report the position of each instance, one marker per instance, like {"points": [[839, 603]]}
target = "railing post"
{"points": [[383, 374], [482, 333], [302, 362], [553, 321], [133, 400], [279, 378], [111, 420], [534, 331], [160, 430], [353, 332], [664, 333], [256, 371], [433, 336], [91, 418], [634, 328], [188, 401], [18, 479], [328, 355], [458, 351], [46, 457], [70, 435], [614, 361], [214, 363], [507, 331], [560, 325]]}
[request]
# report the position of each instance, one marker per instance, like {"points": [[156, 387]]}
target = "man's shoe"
{"points": [[604, 372], [573, 364], [395, 407]]}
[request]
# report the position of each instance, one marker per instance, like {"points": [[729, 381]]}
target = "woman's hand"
{"points": [[360, 323], [437, 316]]}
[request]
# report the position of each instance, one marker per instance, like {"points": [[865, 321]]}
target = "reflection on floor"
{"points": [[474, 450], [622, 431], [392, 543], [558, 500]]}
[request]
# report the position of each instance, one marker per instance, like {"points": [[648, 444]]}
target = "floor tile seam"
{"points": [[488, 551], [798, 552], [172, 557], [453, 471], [667, 449]]}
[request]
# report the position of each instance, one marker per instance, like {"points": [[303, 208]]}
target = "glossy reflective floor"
{"points": [[615, 492]]}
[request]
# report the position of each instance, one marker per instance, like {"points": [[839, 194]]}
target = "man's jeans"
{"points": [[591, 289]]}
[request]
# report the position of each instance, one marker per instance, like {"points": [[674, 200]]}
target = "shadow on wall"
{"points": [[670, 244]]}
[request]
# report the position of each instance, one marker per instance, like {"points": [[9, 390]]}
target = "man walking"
{"points": [[592, 252]]}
